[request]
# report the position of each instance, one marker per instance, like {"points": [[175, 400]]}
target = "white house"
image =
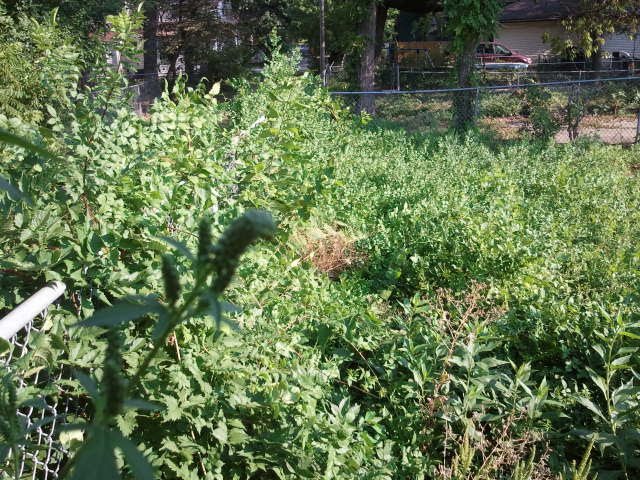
{"points": [[524, 23]]}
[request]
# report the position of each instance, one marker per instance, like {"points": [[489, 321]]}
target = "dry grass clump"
{"points": [[492, 451], [329, 250]]}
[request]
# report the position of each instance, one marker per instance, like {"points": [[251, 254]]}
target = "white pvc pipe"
{"points": [[29, 309]]}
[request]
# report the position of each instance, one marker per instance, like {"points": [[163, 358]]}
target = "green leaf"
{"points": [[221, 432], [599, 350], [591, 406], [237, 436], [5, 346], [126, 310], [11, 139], [630, 335], [88, 383], [139, 465], [174, 412], [180, 246], [598, 380], [621, 361], [13, 192], [96, 458], [141, 404]]}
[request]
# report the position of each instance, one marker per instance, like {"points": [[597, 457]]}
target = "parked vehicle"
{"points": [[491, 52]]}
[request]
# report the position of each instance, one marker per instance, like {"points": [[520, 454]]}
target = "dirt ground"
{"points": [[609, 129]]}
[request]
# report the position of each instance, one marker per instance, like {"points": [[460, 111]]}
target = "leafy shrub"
{"points": [[544, 122], [459, 347], [38, 65], [502, 104]]}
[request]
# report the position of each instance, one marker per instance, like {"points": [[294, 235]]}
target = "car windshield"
{"points": [[500, 50]]}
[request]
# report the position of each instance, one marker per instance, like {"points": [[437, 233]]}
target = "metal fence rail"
{"points": [[44, 456], [603, 109], [403, 68]]}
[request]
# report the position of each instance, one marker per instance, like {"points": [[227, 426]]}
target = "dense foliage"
{"points": [[431, 307]]}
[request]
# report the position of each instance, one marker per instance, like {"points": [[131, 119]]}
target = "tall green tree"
{"points": [[468, 22], [593, 20], [82, 17], [373, 21]]}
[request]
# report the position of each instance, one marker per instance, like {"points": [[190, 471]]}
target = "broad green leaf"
{"points": [[237, 436], [630, 335], [591, 406], [141, 405], [13, 192], [221, 433], [174, 412], [598, 380], [621, 361], [88, 383], [489, 363], [11, 139], [96, 458], [179, 246], [126, 310], [139, 465], [5, 347], [600, 351]]}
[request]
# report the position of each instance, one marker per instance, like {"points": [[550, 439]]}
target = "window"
{"points": [[500, 50]]}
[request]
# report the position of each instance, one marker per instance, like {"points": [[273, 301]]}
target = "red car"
{"points": [[489, 52]]}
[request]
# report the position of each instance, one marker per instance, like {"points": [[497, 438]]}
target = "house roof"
{"points": [[537, 10]]}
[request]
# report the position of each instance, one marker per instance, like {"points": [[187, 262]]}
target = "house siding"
{"points": [[526, 37], [620, 42]]}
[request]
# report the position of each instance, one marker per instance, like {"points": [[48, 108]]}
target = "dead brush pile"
{"points": [[329, 250]]}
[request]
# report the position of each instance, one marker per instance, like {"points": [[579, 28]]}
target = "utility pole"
{"points": [[323, 66]]}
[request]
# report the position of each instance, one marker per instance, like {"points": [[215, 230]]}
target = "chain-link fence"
{"points": [[421, 68], [43, 455], [605, 110], [143, 93]]}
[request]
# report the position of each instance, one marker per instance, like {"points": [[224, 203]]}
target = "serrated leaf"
{"points": [[174, 412], [221, 433], [237, 436]]}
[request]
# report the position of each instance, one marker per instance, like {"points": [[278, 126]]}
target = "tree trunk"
{"points": [[151, 86], [381, 21], [596, 59], [464, 102], [368, 60]]}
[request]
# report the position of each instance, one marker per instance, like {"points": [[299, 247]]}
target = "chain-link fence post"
{"points": [[43, 455], [476, 105]]}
